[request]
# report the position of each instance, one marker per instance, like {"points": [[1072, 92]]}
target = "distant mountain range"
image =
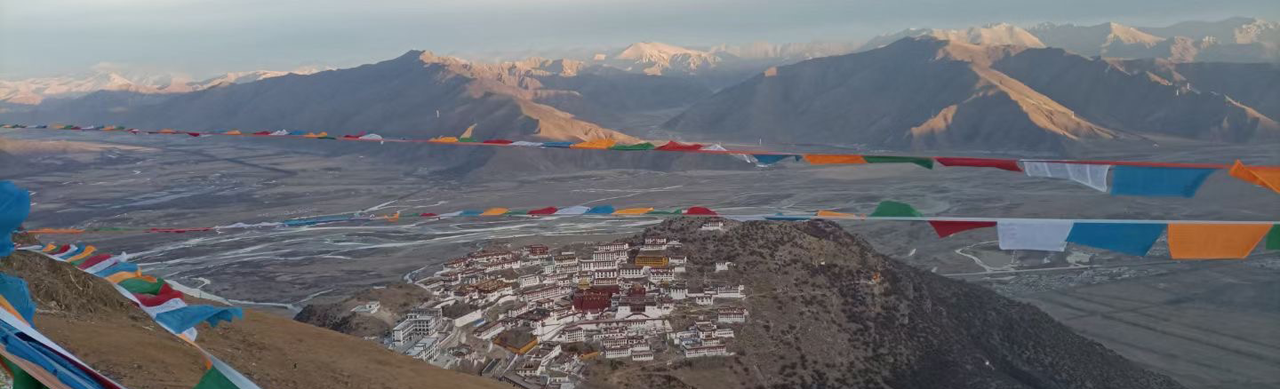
{"points": [[35, 90], [994, 88], [1229, 40], [926, 93]]}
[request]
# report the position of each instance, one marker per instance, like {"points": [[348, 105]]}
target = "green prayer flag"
{"points": [[634, 147], [467, 140], [516, 212], [924, 162], [22, 380], [895, 209], [141, 285], [214, 379], [676, 211], [1273, 238]]}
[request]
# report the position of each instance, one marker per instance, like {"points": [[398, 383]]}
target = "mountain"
{"points": [[785, 51], [991, 34], [1237, 30], [827, 311], [924, 93], [35, 90], [85, 315], [657, 58], [1251, 84], [1106, 39]]}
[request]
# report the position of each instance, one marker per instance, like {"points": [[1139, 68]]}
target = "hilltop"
{"points": [[826, 310]]}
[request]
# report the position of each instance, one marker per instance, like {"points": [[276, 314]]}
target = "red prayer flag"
{"points": [[543, 211], [94, 260], [350, 137], [677, 146], [699, 211], [166, 293], [195, 134], [948, 228], [1005, 164], [427, 214], [498, 142], [262, 133], [62, 249]]}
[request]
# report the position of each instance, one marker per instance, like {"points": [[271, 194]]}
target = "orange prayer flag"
{"points": [[1265, 177], [4, 304], [121, 276], [55, 231], [49, 248], [495, 212], [633, 211], [1214, 241], [832, 159], [234, 132], [598, 144], [83, 254], [445, 139], [833, 214]]}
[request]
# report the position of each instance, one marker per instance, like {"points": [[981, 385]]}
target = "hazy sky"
{"points": [[202, 37]]}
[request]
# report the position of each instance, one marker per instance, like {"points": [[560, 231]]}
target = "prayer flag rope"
{"points": [[1127, 178], [1188, 239]]}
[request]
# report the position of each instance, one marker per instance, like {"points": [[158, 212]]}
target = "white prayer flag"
{"points": [[574, 210], [1041, 235], [1091, 175]]}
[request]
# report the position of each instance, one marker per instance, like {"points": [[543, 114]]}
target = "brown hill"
{"points": [[86, 316], [924, 93], [827, 311]]}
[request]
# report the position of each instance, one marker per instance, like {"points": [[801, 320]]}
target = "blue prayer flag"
{"points": [[769, 159], [14, 290], [118, 267], [184, 318], [601, 210], [563, 145], [1157, 181], [1132, 239], [15, 204]]}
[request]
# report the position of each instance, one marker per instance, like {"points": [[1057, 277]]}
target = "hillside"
{"points": [[828, 311], [83, 314], [927, 94]]}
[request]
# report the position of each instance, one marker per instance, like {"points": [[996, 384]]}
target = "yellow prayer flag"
{"points": [[598, 144], [445, 139], [833, 214], [633, 211], [832, 159], [494, 212], [83, 254], [121, 276]]}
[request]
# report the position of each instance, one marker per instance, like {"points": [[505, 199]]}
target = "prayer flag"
{"points": [[1214, 241], [924, 162], [633, 211], [832, 214], [558, 145], [1273, 238], [494, 212], [833, 159], [677, 146], [1005, 164], [948, 228], [184, 318], [1158, 181], [769, 159], [699, 211], [15, 204], [498, 142], [543, 211], [1265, 177], [634, 147], [1129, 238], [598, 144], [895, 209], [1093, 176], [600, 210], [574, 210], [1041, 235]]}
